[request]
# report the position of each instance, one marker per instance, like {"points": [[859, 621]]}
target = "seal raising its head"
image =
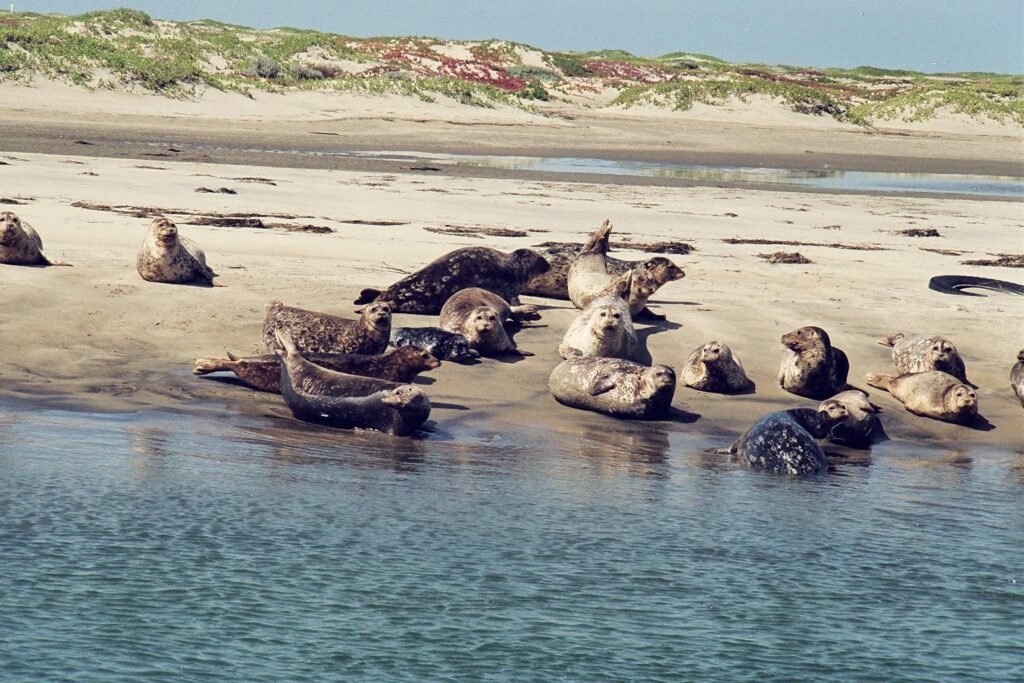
{"points": [[166, 256], [932, 394], [427, 290], [784, 442], [861, 425], [1017, 377], [714, 367], [614, 386], [20, 244], [315, 332], [922, 352], [812, 367], [439, 343]]}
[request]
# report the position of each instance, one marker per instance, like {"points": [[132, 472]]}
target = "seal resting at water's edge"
{"points": [[1017, 377], [469, 312], [426, 290], [613, 386], [784, 442], [166, 256], [604, 329], [335, 399], [861, 427], [20, 244], [934, 394], [714, 367], [441, 344], [264, 372], [812, 366], [315, 332], [922, 352]]}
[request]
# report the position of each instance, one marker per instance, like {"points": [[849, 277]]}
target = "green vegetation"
{"points": [[126, 48]]}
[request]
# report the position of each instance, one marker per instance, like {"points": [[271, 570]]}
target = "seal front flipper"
{"points": [[648, 314], [602, 385]]}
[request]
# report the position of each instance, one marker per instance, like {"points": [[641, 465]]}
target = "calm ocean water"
{"points": [[164, 547]]}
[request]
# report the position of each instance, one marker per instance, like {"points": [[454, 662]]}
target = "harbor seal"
{"points": [[439, 343], [812, 366], [933, 394], [335, 399], [1017, 377], [426, 290], [553, 283], [604, 329], [166, 256], [648, 277], [861, 426], [784, 442], [264, 372], [315, 332], [470, 313], [20, 244], [613, 386], [714, 367], [922, 352]]}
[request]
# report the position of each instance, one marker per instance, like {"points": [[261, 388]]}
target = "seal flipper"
{"points": [[879, 381], [204, 366], [367, 296], [891, 339], [602, 384], [598, 242], [648, 314]]}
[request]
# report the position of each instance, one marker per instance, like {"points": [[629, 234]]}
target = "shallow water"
{"points": [[176, 547]]}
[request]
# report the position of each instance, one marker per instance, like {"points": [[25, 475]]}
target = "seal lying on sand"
{"points": [[439, 343], [861, 426], [714, 367], [166, 256], [604, 329], [20, 244], [921, 353], [613, 386], [932, 394], [480, 316], [1017, 377], [812, 366], [315, 394], [264, 372], [957, 284], [784, 442], [554, 283], [315, 332], [427, 290]]}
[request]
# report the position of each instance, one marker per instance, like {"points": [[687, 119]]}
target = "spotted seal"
{"points": [[167, 256], [1017, 377], [440, 343], [922, 352], [933, 394], [315, 332], [614, 386], [315, 394], [426, 290], [480, 317], [812, 366], [553, 283], [714, 367], [604, 329], [264, 372], [20, 244], [784, 442], [861, 426]]}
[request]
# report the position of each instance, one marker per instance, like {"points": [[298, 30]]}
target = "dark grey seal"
{"points": [[784, 442], [315, 332], [812, 367], [861, 427], [614, 386], [439, 343], [1017, 377], [427, 290]]}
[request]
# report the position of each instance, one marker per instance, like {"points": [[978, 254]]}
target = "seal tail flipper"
{"points": [[367, 296], [598, 242], [286, 342], [891, 339], [230, 355], [204, 366], [879, 381], [525, 312], [44, 261]]}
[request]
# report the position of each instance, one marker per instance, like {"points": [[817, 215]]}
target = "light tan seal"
{"points": [[714, 367], [923, 352], [315, 332], [934, 394], [20, 244], [166, 256], [614, 386], [604, 329], [480, 317]]}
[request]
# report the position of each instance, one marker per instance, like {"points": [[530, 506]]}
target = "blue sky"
{"points": [[925, 35]]}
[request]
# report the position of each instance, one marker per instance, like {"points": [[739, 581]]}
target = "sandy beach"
{"points": [[97, 336]]}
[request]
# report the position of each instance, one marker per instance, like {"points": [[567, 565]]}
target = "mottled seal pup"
{"points": [[934, 394], [784, 442], [614, 386], [1017, 377], [714, 367], [166, 256], [426, 290], [315, 394], [315, 332], [439, 343], [812, 366], [20, 244], [264, 372], [861, 426], [554, 284], [469, 312], [922, 352], [604, 329]]}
